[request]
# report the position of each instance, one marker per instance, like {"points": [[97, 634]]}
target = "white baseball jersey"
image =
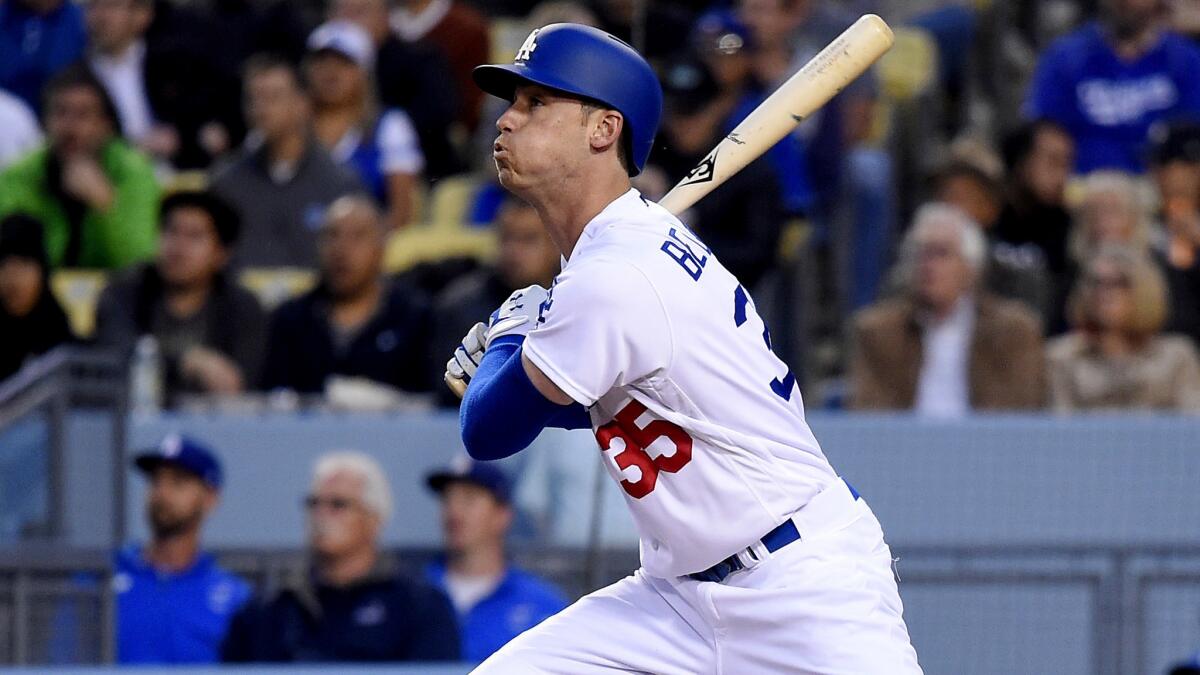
{"points": [[702, 425]]}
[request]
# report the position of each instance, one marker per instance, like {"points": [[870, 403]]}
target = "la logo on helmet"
{"points": [[527, 47]]}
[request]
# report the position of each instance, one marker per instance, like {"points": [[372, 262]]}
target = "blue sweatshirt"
{"points": [[520, 602], [1107, 104], [173, 618]]}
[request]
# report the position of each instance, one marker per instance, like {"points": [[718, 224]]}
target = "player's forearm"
{"points": [[502, 412]]}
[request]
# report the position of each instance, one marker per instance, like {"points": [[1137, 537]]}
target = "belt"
{"points": [[781, 536]]}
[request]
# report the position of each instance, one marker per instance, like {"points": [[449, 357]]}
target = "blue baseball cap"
{"points": [[185, 453], [466, 470]]}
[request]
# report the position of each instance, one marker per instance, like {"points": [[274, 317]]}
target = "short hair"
{"points": [[264, 62], [79, 76], [1147, 284], [1126, 187], [1018, 144], [972, 245], [964, 169], [225, 219], [354, 201], [376, 492]]}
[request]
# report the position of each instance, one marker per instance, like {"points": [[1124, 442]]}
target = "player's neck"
{"points": [[480, 562], [174, 553], [567, 211]]}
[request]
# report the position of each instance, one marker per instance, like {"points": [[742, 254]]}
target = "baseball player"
{"points": [[756, 557]]}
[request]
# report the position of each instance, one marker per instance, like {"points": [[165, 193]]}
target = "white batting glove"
{"points": [[467, 356], [518, 315]]}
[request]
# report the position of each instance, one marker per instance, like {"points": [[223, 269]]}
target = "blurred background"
{"points": [[239, 239]]}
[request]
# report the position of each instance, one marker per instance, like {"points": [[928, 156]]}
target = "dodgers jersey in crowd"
{"points": [[702, 425]]}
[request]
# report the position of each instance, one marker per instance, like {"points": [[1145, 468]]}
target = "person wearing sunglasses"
{"points": [[350, 605], [1117, 357]]}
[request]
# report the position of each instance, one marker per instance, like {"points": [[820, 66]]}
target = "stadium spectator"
{"points": [[282, 181], [526, 255], [667, 25], [96, 196], [31, 320], [1117, 358], [381, 146], [1017, 272], [38, 38], [1175, 164], [495, 600], [462, 35], [943, 348], [1113, 209], [173, 102], [354, 323], [1110, 80], [351, 605], [210, 331], [21, 131], [726, 46], [851, 177], [1038, 158], [174, 603], [740, 220], [412, 76]]}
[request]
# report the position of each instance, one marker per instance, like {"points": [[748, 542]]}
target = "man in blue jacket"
{"points": [[495, 601], [174, 603]]}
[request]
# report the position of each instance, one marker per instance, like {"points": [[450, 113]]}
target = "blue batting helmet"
{"points": [[589, 63]]}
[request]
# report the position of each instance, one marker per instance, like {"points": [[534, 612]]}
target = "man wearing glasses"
{"points": [[350, 605]]}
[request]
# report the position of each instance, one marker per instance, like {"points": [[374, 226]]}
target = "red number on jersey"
{"points": [[636, 439]]}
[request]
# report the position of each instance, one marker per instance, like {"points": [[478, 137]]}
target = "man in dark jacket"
{"points": [[353, 324], [210, 330], [351, 605]]}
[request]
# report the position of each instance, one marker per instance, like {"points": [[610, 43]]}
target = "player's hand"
{"points": [[467, 356], [518, 315]]}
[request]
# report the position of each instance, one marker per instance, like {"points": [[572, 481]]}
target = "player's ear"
{"points": [[606, 129]]}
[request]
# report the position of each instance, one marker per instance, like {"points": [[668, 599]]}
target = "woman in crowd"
{"points": [[381, 146], [1116, 356], [31, 320]]}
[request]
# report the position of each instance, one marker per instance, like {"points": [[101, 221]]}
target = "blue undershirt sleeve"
{"points": [[502, 412]]}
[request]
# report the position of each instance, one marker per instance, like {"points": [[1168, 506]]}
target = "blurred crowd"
{"points": [[350, 602], [295, 201]]}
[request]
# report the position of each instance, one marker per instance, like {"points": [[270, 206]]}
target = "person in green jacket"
{"points": [[96, 195]]}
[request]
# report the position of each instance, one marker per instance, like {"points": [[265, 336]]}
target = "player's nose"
{"points": [[505, 121]]}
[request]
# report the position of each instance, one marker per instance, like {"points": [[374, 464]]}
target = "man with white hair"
{"points": [[943, 347], [351, 605]]}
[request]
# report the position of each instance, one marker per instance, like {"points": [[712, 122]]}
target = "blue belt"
{"points": [[774, 540]]}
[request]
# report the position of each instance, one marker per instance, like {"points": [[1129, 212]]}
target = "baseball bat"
{"points": [[837, 65]]}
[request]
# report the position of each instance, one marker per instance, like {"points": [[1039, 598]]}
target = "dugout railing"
{"points": [[1128, 610]]}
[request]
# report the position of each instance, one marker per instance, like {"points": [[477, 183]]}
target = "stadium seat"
{"points": [[274, 285], [78, 291]]}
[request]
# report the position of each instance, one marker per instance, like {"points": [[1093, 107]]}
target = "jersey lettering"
{"points": [[636, 440], [681, 251], [741, 301]]}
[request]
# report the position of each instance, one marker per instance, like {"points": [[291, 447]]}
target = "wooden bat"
{"points": [[837, 65]]}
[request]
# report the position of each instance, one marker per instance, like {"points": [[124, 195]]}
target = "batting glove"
{"points": [[467, 356], [518, 315]]}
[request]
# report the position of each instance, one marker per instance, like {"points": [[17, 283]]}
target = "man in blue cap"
{"points": [[494, 600], [174, 602]]}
